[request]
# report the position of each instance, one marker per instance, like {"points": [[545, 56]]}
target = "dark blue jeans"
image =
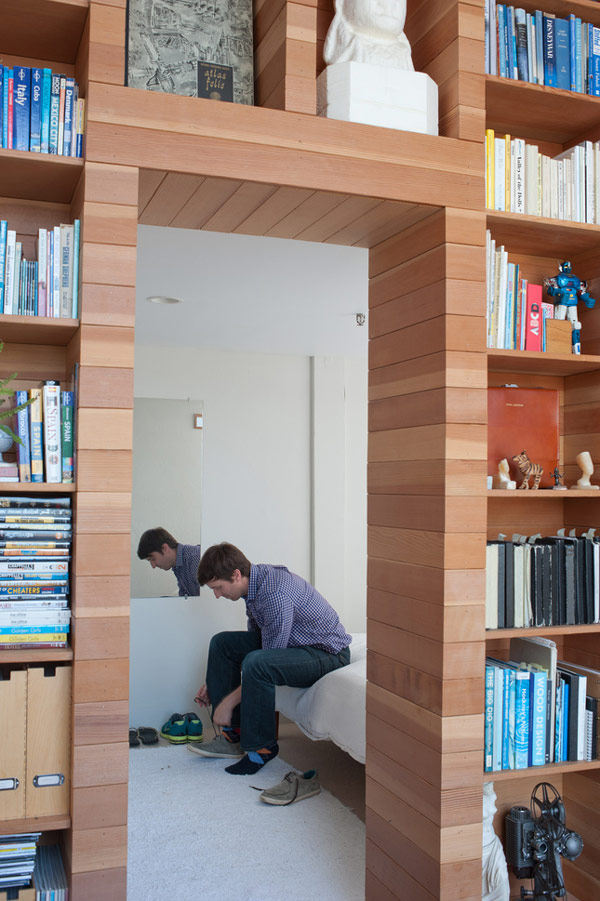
{"points": [[237, 657]]}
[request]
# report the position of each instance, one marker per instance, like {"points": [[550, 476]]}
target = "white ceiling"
{"points": [[240, 292]]}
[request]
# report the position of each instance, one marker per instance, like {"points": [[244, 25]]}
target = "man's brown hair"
{"points": [[153, 540], [220, 562]]}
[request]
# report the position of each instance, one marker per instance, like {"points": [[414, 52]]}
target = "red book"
{"points": [[533, 326]]}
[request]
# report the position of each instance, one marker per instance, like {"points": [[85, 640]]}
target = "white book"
{"points": [[519, 175], [492, 290], [11, 244], [531, 179], [560, 188], [491, 586], [580, 150], [597, 180], [52, 446], [17, 278], [42, 266], [56, 273], [513, 180], [590, 181], [546, 187], [503, 285], [554, 189], [518, 554], [66, 271], [596, 582], [527, 604], [499, 165]]}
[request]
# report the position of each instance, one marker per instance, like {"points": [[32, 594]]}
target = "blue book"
{"points": [[578, 57], [54, 114], [498, 717], [595, 61], [8, 77], [538, 682], [566, 704], [46, 92], [562, 49], [22, 107], [512, 43], [76, 231], [68, 126], [549, 51], [539, 45], [521, 44], [35, 124], [23, 452], [510, 304], [508, 745], [33, 630], [557, 720], [572, 63], [3, 234], [489, 716], [502, 45], [521, 719], [1, 101]]}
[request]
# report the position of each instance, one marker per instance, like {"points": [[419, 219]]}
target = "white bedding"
{"points": [[334, 707]]}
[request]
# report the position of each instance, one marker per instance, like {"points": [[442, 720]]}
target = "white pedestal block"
{"points": [[378, 95]]}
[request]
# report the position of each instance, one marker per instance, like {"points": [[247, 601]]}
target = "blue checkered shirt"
{"points": [[289, 613], [186, 569]]}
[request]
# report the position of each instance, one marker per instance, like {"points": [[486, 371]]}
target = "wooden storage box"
{"points": [[13, 720], [48, 741]]}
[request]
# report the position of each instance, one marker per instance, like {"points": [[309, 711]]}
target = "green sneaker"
{"points": [[175, 729], [218, 747], [193, 727], [293, 787]]}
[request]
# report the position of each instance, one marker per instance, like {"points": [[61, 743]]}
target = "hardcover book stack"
{"points": [[553, 581], [35, 545], [45, 427], [41, 111], [47, 286], [542, 48], [520, 179], [17, 861], [516, 316], [538, 710]]}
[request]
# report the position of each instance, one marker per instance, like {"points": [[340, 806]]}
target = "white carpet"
{"points": [[197, 832]]}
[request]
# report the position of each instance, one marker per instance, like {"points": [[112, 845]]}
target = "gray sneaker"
{"points": [[293, 787], [218, 747]]}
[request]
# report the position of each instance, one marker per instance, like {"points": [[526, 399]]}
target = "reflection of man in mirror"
{"points": [[161, 550]]}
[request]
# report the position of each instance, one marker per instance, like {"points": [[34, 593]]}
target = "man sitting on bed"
{"points": [[294, 637]]}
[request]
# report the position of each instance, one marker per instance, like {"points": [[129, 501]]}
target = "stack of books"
{"points": [[41, 111], [542, 48], [35, 545], [17, 860], [553, 581], [520, 179], [539, 710], [515, 313], [50, 879], [47, 286], [45, 427]]}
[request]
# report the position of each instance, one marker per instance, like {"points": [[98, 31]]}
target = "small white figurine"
{"points": [[369, 31], [503, 479], [584, 461], [494, 875]]}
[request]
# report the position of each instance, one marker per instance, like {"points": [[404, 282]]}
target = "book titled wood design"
{"points": [[166, 40]]}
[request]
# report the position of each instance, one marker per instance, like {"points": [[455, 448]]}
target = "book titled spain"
{"points": [[67, 410], [52, 449], [215, 81]]}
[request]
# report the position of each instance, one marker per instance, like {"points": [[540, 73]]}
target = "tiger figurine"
{"points": [[528, 469]]}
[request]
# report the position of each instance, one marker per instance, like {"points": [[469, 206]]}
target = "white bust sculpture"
{"points": [[494, 877], [369, 31], [584, 461]]}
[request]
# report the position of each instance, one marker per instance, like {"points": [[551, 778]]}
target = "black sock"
{"points": [[248, 766]]}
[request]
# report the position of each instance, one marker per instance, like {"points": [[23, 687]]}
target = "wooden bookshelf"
{"points": [[34, 824], [41, 655], [521, 361], [44, 29], [547, 631], [530, 233], [37, 487], [37, 330], [543, 773], [38, 176]]}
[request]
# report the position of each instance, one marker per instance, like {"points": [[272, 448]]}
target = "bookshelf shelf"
{"points": [[550, 771], [37, 330], [537, 112], [34, 824], [33, 655], [543, 630], [541, 363], [38, 176], [541, 494], [37, 488], [527, 234], [56, 34]]}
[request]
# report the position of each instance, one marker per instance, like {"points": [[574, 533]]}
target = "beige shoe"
{"points": [[293, 787]]}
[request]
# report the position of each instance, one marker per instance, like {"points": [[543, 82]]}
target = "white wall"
{"points": [[284, 479]]}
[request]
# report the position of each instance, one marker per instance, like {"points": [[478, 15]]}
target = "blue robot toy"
{"points": [[568, 289]]}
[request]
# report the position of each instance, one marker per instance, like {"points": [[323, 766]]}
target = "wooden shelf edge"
{"points": [[585, 629], [37, 330], [37, 487], [34, 824], [533, 772], [542, 363], [33, 655], [542, 494]]}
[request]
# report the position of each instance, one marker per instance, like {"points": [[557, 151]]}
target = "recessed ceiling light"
{"points": [[161, 298]]}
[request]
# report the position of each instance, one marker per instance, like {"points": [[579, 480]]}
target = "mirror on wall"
{"points": [[167, 482]]}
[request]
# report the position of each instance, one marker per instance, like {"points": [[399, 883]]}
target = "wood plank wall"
{"points": [[107, 204], [426, 545], [285, 54]]}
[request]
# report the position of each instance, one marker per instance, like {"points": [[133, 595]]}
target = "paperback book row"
{"points": [[553, 581], [35, 548], [47, 286], [17, 860], [542, 48], [45, 425], [520, 179], [538, 710], [41, 111], [516, 315], [49, 876]]}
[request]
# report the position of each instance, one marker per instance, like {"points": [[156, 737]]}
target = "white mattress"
{"points": [[334, 707]]}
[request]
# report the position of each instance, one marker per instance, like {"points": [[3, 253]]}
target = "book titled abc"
{"points": [[166, 41], [215, 82]]}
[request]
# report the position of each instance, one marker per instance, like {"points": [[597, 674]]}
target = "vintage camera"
{"points": [[536, 839]]}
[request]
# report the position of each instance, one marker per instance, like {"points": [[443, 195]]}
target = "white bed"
{"points": [[334, 707]]}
